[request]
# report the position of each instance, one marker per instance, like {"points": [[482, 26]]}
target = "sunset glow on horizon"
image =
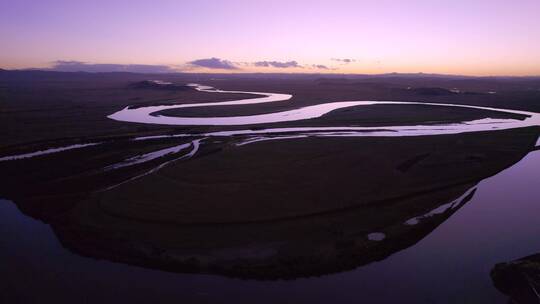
{"points": [[475, 37]]}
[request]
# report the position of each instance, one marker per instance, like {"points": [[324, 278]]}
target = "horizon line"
{"points": [[278, 73]]}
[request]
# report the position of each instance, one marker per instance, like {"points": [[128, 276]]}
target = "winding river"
{"points": [[147, 115], [450, 265]]}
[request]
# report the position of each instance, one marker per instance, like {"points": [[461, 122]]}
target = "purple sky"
{"points": [[478, 37]]}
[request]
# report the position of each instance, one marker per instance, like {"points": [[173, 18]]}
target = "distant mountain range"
{"points": [[321, 76]]}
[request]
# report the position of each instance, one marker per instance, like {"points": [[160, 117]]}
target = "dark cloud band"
{"points": [[214, 63], [79, 66], [277, 64], [343, 60]]}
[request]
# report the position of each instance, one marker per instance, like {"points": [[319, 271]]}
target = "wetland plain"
{"points": [[215, 196]]}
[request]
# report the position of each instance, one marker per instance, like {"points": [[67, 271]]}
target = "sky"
{"points": [[468, 37]]}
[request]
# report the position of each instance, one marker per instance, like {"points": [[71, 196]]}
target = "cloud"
{"points": [[214, 63], [320, 66], [344, 60], [277, 64], [79, 66], [209, 63]]}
